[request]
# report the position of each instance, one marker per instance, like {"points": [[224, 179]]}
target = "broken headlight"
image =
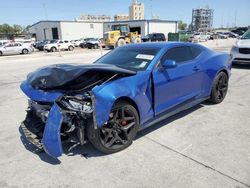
{"points": [[77, 103]]}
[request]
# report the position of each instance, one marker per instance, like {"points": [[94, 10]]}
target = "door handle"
{"points": [[196, 68]]}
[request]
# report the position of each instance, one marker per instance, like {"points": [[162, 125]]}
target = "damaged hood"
{"points": [[69, 76]]}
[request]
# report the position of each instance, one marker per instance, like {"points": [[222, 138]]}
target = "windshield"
{"points": [[246, 35], [130, 58]]}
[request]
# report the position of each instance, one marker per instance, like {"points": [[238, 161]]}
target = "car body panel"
{"points": [[154, 92], [51, 137]]}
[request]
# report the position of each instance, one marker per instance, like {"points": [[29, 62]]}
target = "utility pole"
{"points": [[235, 18], [151, 8], [45, 11]]}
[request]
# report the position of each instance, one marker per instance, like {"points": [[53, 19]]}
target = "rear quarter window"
{"points": [[196, 51]]}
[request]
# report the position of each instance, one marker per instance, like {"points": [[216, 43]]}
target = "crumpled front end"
{"points": [[54, 119], [62, 103]]}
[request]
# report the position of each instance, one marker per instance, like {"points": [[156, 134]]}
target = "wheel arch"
{"points": [[129, 101]]}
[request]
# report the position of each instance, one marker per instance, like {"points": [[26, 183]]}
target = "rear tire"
{"points": [[53, 49], [71, 48], [1, 53], [219, 89], [25, 51], [119, 131]]}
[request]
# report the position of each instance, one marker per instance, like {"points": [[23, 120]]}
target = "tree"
{"points": [[8, 29], [182, 25]]}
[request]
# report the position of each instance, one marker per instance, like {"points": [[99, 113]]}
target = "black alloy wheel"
{"points": [[219, 89], [118, 132]]}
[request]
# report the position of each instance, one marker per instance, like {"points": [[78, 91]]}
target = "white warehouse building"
{"points": [[66, 30], [144, 27], [71, 30]]}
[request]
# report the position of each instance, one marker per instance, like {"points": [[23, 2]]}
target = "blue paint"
{"points": [[51, 137]]}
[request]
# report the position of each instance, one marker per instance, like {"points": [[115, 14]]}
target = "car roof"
{"points": [[162, 45]]}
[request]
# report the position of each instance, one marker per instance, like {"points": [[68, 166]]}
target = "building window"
{"points": [[91, 26]]}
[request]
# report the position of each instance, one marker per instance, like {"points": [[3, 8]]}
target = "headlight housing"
{"points": [[77, 104], [234, 48]]}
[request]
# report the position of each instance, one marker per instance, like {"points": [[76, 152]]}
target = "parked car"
{"points": [[198, 37], [15, 48], [94, 44], [126, 90], [77, 42], [40, 45], [84, 41], [240, 52], [231, 34], [56, 45], [154, 37], [222, 35], [240, 31]]}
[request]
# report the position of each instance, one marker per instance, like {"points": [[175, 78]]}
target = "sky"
{"points": [[27, 12]]}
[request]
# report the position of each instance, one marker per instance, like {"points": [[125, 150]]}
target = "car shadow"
{"points": [[42, 155], [169, 120], [87, 150], [241, 66]]}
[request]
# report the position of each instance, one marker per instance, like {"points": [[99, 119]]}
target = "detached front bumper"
{"points": [[49, 123], [43, 128]]}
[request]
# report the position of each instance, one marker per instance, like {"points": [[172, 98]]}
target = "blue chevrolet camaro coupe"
{"points": [[126, 90]]}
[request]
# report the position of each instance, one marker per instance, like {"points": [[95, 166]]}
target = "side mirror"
{"points": [[169, 64]]}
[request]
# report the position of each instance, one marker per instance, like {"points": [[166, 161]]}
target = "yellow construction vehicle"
{"points": [[119, 36]]}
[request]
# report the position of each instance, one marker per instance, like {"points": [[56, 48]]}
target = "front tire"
{"points": [[121, 42], [219, 89], [71, 48], [1, 53], [119, 131], [53, 49], [25, 51]]}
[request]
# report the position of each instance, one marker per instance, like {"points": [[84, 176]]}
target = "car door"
{"points": [[178, 85], [8, 49], [18, 48]]}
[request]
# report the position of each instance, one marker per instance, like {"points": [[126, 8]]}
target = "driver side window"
{"points": [[178, 54]]}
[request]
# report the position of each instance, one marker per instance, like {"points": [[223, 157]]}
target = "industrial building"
{"points": [[202, 19], [71, 30], [144, 27], [66, 30]]}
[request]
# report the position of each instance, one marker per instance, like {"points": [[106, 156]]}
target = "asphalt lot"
{"points": [[206, 146]]}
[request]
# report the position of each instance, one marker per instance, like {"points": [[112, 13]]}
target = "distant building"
{"points": [[66, 30], [202, 19], [93, 18], [136, 11], [121, 17]]}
